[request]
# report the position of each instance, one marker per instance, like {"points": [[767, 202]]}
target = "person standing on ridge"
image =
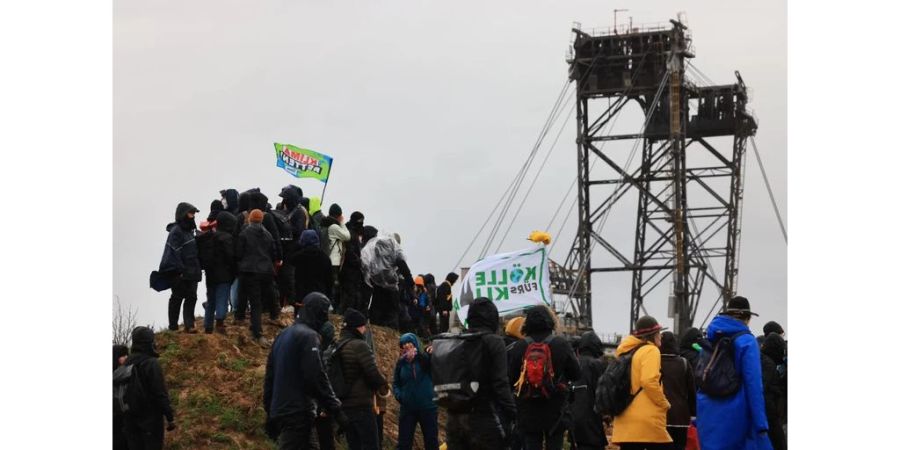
{"points": [[311, 265], [351, 278], [642, 426], [678, 384], [221, 274], [739, 420], [443, 301], [180, 264], [414, 390], [337, 236], [144, 429], [255, 254]]}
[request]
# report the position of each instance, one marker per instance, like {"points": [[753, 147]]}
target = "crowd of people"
{"points": [[533, 387]]}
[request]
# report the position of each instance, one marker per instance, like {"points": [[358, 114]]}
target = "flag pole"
{"points": [[330, 166]]}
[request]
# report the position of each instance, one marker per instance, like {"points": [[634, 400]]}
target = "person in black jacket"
{"points": [[363, 380], [270, 302], [543, 421], [221, 273], [678, 385], [772, 355], [144, 429], [443, 301], [120, 355], [588, 432], [489, 425], [297, 220], [295, 382], [431, 288], [255, 254], [230, 200], [350, 279], [689, 344], [181, 265], [312, 268]]}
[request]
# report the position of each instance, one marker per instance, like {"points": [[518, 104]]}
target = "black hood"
{"points": [[259, 201], [369, 232], [227, 222], [774, 347], [327, 333], [214, 209], [315, 310], [591, 344], [483, 315], [181, 215], [305, 202], [538, 320], [690, 337], [231, 197], [328, 221], [244, 201], [452, 277], [143, 341], [668, 343], [291, 197]]}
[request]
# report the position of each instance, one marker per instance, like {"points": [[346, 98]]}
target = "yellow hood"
{"points": [[628, 344]]}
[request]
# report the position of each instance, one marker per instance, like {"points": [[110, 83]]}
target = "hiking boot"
{"points": [[208, 330], [190, 330], [262, 342], [220, 326]]}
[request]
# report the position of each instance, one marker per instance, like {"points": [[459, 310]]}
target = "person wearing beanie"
{"points": [[689, 345], [678, 384], [738, 421], [144, 429], [296, 385], [443, 301], [643, 423], [363, 379], [293, 220], [414, 390], [256, 265], [312, 268], [588, 432], [180, 265], [420, 309], [335, 237], [541, 420], [494, 405], [221, 272]]}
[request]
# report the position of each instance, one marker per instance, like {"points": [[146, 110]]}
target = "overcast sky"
{"points": [[428, 109]]}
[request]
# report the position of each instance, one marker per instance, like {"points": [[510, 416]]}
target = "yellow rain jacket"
{"points": [[645, 418]]}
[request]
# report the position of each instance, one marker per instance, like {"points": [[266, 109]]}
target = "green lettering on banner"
{"points": [[479, 278], [502, 293], [493, 280], [530, 273], [504, 280]]}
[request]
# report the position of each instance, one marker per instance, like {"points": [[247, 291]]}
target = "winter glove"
{"points": [[170, 426]]}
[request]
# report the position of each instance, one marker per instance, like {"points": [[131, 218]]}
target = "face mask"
{"points": [[224, 203]]}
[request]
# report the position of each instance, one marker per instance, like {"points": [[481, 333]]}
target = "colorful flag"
{"points": [[303, 163], [513, 281]]}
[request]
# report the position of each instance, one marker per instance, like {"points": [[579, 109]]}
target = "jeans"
{"points": [[535, 441], [182, 291], [427, 421], [254, 288], [216, 303], [296, 432], [361, 431], [233, 295]]}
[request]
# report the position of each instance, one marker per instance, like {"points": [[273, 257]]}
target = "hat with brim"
{"points": [[740, 306], [646, 326]]}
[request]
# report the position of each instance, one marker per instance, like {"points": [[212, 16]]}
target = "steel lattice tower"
{"points": [[688, 192]]}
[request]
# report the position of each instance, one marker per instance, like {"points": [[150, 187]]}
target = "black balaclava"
{"points": [[315, 310], [230, 197], [143, 341], [590, 344], [483, 315], [181, 216]]}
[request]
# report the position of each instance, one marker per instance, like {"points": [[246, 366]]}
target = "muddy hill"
{"points": [[216, 382]]}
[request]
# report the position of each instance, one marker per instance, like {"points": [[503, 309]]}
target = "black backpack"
{"points": [[129, 394], [456, 361], [613, 393], [334, 369], [715, 372], [283, 221]]}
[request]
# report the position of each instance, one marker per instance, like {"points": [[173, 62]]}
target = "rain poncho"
{"points": [[379, 262]]}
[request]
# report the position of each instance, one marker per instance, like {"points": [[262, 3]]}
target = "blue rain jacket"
{"points": [[412, 379]]}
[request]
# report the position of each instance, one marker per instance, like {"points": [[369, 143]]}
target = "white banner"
{"points": [[513, 281]]}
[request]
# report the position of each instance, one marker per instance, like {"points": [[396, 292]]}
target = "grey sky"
{"points": [[428, 109]]}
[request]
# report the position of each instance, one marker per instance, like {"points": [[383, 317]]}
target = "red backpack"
{"points": [[536, 378]]}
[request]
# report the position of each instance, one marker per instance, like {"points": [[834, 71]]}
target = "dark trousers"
{"points": [[142, 438], [646, 446], [385, 310], [537, 441], [325, 433], [776, 434], [379, 422], [427, 421], [475, 431], [361, 432], [286, 284], [335, 294], [679, 437], [186, 292], [254, 287], [296, 432], [445, 322]]}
